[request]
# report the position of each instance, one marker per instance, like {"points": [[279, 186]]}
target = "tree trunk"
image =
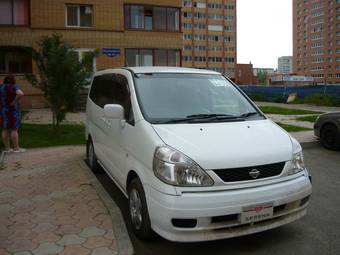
{"points": [[54, 117]]}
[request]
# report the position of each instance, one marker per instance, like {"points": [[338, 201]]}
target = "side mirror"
{"points": [[113, 111]]}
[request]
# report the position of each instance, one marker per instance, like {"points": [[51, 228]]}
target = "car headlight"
{"points": [[175, 168], [298, 163]]}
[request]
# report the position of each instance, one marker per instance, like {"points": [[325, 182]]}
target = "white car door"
{"points": [[118, 130]]}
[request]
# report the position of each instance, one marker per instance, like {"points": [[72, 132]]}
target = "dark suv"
{"points": [[327, 127]]}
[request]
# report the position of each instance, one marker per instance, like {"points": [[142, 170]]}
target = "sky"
{"points": [[264, 31]]}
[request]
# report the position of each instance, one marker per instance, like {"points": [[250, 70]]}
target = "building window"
{"points": [[79, 15], [199, 15], [187, 36], [15, 60], [215, 16], [200, 26], [187, 58], [187, 3], [152, 57], [14, 12], [215, 27], [187, 14], [229, 7], [146, 17], [200, 59], [229, 60], [87, 53]]}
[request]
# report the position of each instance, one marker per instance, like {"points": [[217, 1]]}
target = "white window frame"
{"points": [[81, 50], [78, 15]]}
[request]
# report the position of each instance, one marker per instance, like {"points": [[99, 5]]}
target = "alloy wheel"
{"points": [[135, 209]]}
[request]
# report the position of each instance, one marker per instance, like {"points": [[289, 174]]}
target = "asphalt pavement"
{"points": [[317, 233]]}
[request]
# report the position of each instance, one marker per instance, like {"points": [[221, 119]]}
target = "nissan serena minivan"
{"points": [[193, 154]]}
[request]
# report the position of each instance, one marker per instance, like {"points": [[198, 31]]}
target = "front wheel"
{"points": [[91, 156], [139, 216], [330, 137]]}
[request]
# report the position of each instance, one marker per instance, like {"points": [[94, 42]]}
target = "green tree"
{"points": [[60, 74], [262, 77]]}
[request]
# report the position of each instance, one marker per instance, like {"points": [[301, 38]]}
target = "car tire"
{"points": [[91, 157], [330, 137], [138, 211]]}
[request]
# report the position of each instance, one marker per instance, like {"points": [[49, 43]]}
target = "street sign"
{"points": [[111, 52]]}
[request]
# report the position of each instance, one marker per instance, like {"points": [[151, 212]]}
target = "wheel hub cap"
{"points": [[135, 209]]}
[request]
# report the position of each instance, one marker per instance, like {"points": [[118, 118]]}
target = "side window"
{"points": [[122, 96], [112, 89], [102, 90], [95, 89]]}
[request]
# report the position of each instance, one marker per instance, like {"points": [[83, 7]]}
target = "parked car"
{"points": [[327, 127], [193, 154]]}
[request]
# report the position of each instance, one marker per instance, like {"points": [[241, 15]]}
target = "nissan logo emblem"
{"points": [[254, 173]]}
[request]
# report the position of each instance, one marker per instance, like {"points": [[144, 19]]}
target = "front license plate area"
{"points": [[256, 213]]}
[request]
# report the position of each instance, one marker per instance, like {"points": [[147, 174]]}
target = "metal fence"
{"points": [[272, 93]]}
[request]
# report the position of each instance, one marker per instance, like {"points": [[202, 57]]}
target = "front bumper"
{"points": [[289, 199]]}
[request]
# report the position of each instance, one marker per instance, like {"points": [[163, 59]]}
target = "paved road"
{"points": [[317, 233]]}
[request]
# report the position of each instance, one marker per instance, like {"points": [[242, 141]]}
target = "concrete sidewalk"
{"points": [[44, 116], [49, 204]]}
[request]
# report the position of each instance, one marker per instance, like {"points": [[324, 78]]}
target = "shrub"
{"points": [[323, 99], [257, 97], [297, 101], [279, 99]]}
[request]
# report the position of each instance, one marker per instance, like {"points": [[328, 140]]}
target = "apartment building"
{"points": [[209, 35], [124, 32], [316, 40], [285, 65]]}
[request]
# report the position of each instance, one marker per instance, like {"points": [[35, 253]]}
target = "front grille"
{"points": [[224, 218], [244, 173], [184, 223]]}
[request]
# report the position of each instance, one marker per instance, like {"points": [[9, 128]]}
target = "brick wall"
{"points": [[33, 98], [48, 17], [244, 74]]}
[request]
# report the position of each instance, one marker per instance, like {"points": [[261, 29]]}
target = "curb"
{"points": [[2, 156], [118, 224]]}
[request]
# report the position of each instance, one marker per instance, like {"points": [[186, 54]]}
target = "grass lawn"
{"points": [[285, 111], [292, 128], [44, 135], [310, 118]]}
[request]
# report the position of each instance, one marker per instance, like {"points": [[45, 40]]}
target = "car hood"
{"points": [[229, 144]]}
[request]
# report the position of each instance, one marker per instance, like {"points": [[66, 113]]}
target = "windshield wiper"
{"points": [[208, 115], [248, 114], [204, 118]]}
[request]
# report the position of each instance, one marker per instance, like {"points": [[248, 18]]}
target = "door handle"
{"points": [[106, 121]]}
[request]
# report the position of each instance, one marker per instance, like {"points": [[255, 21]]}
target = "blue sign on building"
{"points": [[111, 52]]}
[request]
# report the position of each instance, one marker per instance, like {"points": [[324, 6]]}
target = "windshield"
{"points": [[166, 98]]}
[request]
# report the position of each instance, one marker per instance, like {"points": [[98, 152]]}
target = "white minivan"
{"points": [[193, 154]]}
